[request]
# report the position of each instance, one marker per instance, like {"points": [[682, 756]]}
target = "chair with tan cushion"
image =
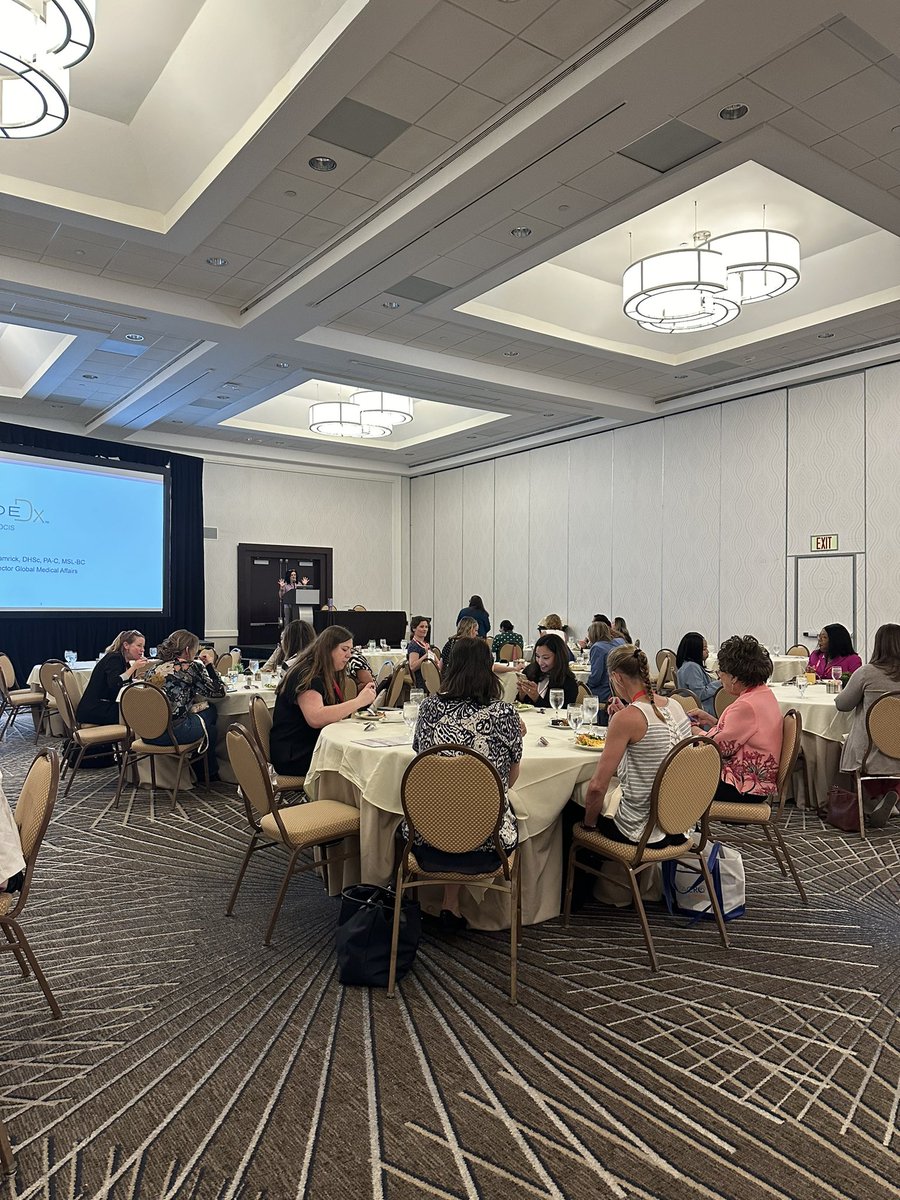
{"points": [[453, 797], [680, 797], [431, 677], [399, 687], [7, 1159], [686, 699], [665, 666], [319, 823], [261, 728], [147, 712], [584, 693], [798, 650], [739, 812], [883, 729], [14, 699], [80, 737], [359, 608], [350, 690], [32, 816], [721, 700], [225, 663], [387, 669], [510, 652]]}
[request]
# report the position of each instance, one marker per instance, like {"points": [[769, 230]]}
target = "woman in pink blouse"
{"points": [[749, 731], [835, 650]]}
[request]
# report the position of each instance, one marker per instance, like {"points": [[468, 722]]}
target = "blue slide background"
{"points": [[73, 538]]}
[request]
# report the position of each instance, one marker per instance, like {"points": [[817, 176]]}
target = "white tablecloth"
{"points": [[348, 768], [824, 730], [784, 666]]}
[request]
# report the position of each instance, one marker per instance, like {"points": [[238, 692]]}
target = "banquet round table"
{"points": [[354, 766], [784, 666], [824, 730]]}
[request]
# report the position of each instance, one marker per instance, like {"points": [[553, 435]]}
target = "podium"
{"points": [[298, 605]]}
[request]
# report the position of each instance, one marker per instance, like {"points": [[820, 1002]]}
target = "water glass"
{"points": [[575, 714], [71, 657], [801, 685], [416, 696], [403, 643], [371, 643], [254, 665], [410, 716], [836, 673], [557, 697], [591, 707], [384, 644], [152, 652]]}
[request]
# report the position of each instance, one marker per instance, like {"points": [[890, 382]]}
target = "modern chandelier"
{"points": [[39, 41], [705, 285], [365, 415]]}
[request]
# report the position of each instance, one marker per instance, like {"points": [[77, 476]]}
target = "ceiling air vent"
{"points": [[668, 146]]}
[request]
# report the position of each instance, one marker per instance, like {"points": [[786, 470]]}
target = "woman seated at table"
{"points": [[476, 609], [310, 697], [601, 641], [295, 637], [189, 678], [468, 712], [507, 637], [552, 623], [547, 671], [622, 629], [419, 649], [835, 649], [99, 705], [597, 618], [643, 728], [358, 668], [691, 672], [749, 731], [466, 627], [880, 675]]}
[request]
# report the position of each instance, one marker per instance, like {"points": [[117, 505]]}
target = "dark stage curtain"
{"points": [[29, 640]]}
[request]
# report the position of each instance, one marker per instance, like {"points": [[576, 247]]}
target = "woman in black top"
{"points": [[99, 704], [549, 668], [310, 697], [466, 627]]}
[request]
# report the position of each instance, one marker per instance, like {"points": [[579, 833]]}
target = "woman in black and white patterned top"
{"points": [[468, 711]]}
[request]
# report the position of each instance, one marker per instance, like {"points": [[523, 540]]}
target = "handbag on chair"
{"points": [[363, 936]]}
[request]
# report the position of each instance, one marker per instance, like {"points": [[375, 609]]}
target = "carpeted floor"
{"points": [[191, 1062]]}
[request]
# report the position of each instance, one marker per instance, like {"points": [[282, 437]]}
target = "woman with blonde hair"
{"points": [[189, 679], [310, 697], [99, 705], [877, 678], [602, 641], [466, 627]]}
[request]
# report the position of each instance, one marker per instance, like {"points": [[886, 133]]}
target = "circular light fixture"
{"points": [[510, 354], [89, 377], [390, 304], [134, 337], [38, 49], [824, 336], [521, 231], [679, 291], [321, 162], [384, 408], [762, 263], [290, 193], [339, 418], [218, 262], [733, 112]]}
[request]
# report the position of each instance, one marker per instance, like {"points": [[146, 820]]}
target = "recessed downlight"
{"points": [[217, 262], [282, 366], [824, 336], [177, 422], [290, 193], [134, 337], [321, 162], [510, 354], [521, 231], [390, 304], [734, 112], [89, 377], [681, 376]]}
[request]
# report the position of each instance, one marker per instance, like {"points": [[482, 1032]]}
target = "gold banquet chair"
{"points": [[510, 652], [665, 667], [431, 677], [883, 729], [399, 686], [32, 816], [687, 699], [46, 671], [584, 693], [147, 712], [261, 728], [680, 797], [79, 737], [14, 699], [225, 663], [319, 823], [747, 814], [453, 797], [798, 650], [721, 700]]}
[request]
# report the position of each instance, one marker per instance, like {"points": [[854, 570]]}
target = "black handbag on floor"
{"points": [[363, 937]]}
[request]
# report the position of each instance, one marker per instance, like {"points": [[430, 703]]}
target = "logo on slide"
{"points": [[23, 510]]}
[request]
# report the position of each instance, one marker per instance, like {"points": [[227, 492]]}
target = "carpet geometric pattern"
{"points": [[192, 1063]]}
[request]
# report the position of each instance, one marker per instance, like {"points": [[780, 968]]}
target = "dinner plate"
{"points": [[590, 749]]}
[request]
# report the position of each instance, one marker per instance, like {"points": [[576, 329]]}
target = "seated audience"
{"points": [[419, 648], [749, 731], [597, 617], [835, 649], [189, 678], [295, 637], [477, 610], [880, 675], [691, 672], [602, 642], [622, 629], [506, 637], [309, 697], [548, 669], [466, 627], [99, 705], [358, 668], [643, 728], [552, 623], [468, 711]]}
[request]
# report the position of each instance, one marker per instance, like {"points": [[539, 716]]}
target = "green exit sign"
{"points": [[823, 541]]}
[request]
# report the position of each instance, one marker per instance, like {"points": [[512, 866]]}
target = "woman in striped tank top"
{"points": [[643, 728]]}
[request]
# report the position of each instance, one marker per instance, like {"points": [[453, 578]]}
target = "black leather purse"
{"points": [[363, 936]]}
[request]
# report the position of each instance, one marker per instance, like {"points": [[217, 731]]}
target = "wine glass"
{"points": [[416, 696], [410, 716], [71, 657], [403, 643], [254, 665], [591, 707], [152, 652], [384, 644], [557, 697], [801, 685], [575, 714]]}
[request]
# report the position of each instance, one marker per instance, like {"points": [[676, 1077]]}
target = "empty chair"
{"points": [[431, 677], [359, 608], [148, 714], [399, 687], [32, 816], [386, 671], [665, 665], [798, 650], [225, 663], [510, 652], [81, 738], [14, 699], [319, 823], [47, 670], [584, 693], [883, 729]]}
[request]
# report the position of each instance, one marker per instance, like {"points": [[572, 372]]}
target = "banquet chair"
{"points": [[431, 677], [80, 737], [680, 797], [584, 693], [721, 700], [359, 608], [399, 686], [14, 699], [32, 816], [45, 678], [350, 689], [225, 663], [798, 650], [453, 797], [509, 652], [665, 666], [768, 819], [319, 823], [147, 712], [7, 1159], [883, 729], [686, 699], [387, 669], [261, 728]]}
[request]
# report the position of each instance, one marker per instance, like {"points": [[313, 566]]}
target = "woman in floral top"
{"points": [[468, 711], [190, 681], [749, 731]]}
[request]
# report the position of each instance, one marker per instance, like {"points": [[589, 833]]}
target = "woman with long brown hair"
{"points": [[190, 680], [880, 675], [311, 696]]}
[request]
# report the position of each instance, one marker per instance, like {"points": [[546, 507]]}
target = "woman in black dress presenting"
{"points": [[99, 704]]}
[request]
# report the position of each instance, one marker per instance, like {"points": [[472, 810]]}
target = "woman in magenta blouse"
{"points": [[749, 731], [835, 650]]}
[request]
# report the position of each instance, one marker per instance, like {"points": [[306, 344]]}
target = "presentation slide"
{"points": [[80, 538]]}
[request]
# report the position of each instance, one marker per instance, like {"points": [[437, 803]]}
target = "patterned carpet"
{"points": [[192, 1063]]}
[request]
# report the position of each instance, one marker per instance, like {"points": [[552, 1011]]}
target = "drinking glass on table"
{"points": [[384, 644], [557, 698], [152, 652], [410, 716], [836, 673], [71, 657], [575, 713], [254, 665], [591, 707], [801, 685], [416, 696]]}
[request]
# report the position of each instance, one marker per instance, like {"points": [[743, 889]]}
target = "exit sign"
{"points": [[823, 541]]}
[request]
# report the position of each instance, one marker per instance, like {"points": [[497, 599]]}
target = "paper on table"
{"points": [[401, 741]]}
